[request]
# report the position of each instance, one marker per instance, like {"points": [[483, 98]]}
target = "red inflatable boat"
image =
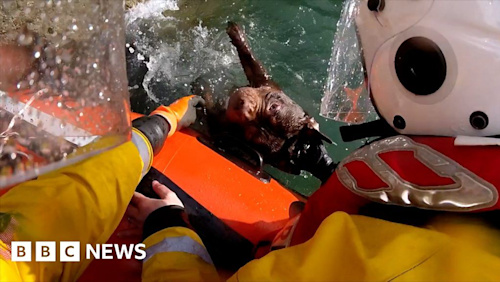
{"points": [[231, 202]]}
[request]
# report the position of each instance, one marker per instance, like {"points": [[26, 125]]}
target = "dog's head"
{"points": [[243, 106], [265, 105]]}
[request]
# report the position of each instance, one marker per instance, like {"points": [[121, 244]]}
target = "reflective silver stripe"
{"points": [[183, 244], [469, 192], [144, 150], [45, 121]]}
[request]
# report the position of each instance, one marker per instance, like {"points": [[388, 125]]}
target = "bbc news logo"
{"points": [[69, 251]]}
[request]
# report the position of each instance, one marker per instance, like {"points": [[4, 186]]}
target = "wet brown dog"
{"points": [[286, 136], [262, 107]]}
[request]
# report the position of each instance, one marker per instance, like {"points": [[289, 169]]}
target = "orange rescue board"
{"points": [[250, 207]]}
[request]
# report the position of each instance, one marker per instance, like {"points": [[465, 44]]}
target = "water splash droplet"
{"points": [[25, 39]]}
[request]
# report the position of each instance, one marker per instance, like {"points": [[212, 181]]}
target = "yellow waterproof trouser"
{"points": [[344, 248], [359, 248]]}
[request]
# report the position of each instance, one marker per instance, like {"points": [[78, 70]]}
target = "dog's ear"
{"points": [[313, 128]]}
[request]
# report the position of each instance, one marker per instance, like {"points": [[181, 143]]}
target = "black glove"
{"points": [[312, 157]]}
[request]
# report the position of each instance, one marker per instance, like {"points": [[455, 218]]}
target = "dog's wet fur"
{"points": [[264, 116]]}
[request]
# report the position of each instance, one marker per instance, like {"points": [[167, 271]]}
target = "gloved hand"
{"points": [[151, 131], [309, 154], [181, 113]]}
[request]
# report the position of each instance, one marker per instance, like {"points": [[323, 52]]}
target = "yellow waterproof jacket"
{"points": [[344, 248], [84, 202]]}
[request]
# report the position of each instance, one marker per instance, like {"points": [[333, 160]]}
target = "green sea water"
{"points": [[292, 38]]}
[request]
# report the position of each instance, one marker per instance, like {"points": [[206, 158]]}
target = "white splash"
{"points": [[179, 52], [150, 9]]}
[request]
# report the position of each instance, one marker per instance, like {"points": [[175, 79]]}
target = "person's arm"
{"points": [[150, 132], [174, 252], [177, 254], [83, 202]]}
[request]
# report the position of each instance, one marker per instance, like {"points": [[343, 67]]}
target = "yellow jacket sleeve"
{"points": [[177, 254], [357, 248], [84, 202]]}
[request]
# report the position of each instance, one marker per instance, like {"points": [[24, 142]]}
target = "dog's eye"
{"points": [[274, 108]]}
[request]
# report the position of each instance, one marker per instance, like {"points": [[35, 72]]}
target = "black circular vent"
{"points": [[399, 122], [420, 66], [376, 5], [478, 120]]}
